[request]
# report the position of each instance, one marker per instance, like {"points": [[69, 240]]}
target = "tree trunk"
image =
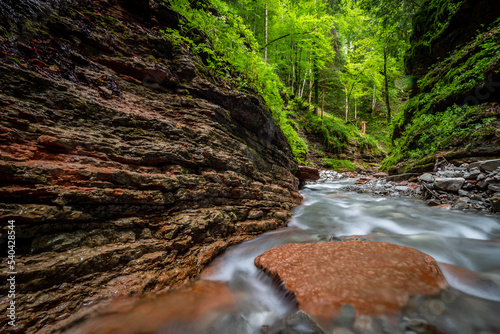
{"points": [[265, 50], [291, 80], [298, 62], [311, 84], [387, 86], [346, 105], [373, 99], [355, 108], [303, 85], [322, 109], [316, 69]]}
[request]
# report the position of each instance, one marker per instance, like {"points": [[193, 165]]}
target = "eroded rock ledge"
{"points": [[125, 167]]}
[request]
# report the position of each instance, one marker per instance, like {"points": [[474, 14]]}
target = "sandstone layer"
{"points": [[376, 278], [126, 166]]}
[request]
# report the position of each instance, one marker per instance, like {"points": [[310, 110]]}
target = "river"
{"points": [[468, 241]]}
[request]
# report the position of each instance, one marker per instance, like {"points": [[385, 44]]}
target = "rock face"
{"points": [[452, 63], [307, 173], [126, 167], [375, 278]]}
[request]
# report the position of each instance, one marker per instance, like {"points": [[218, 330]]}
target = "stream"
{"points": [[468, 241]]}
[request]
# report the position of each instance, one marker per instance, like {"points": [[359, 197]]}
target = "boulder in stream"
{"points": [[376, 278], [307, 173], [449, 184]]}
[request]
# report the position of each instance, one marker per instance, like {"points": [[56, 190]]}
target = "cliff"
{"points": [[125, 167], [454, 110]]}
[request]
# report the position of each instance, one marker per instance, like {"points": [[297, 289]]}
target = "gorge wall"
{"points": [[454, 66], [125, 167]]}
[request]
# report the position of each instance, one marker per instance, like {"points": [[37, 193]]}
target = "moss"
{"points": [[448, 113], [17, 61]]}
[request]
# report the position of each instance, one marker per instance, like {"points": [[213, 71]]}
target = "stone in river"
{"points": [[307, 173], [495, 203], [449, 184], [427, 177], [376, 278], [487, 166]]}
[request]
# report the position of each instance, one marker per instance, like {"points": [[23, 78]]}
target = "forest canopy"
{"points": [[343, 59]]}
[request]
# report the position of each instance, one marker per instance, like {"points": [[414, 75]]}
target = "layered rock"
{"points": [[126, 168], [308, 173], [375, 278]]}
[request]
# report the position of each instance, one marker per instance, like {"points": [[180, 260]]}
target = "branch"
{"points": [[277, 39]]}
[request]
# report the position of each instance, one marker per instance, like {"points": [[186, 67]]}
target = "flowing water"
{"points": [[468, 241]]}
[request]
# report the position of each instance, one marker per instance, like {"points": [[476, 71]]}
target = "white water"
{"points": [[465, 240]]}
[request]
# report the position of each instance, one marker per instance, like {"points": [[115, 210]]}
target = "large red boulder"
{"points": [[376, 278], [307, 173]]}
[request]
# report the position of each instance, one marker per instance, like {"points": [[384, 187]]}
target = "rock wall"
{"points": [[454, 110], [125, 166]]}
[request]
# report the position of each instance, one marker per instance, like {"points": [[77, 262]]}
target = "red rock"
{"points": [[307, 173], [192, 304], [413, 185], [364, 179], [376, 278], [380, 174]]}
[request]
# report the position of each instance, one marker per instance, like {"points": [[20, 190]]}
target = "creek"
{"points": [[468, 241]]}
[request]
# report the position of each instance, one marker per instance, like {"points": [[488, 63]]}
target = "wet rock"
{"points": [[255, 214], [189, 309], [449, 184], [427, 177], [364, 179], [495, 203], [494, 187], [402, 177], [433, 202], [307, 173], [346, 317], [486, 166], [445, 206], [375, 278], [461, 203], [329, 175], [401, 188], [300, 323], [474, 173]]}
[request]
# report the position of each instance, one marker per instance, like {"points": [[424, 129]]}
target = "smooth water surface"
{"points": [[469, 241]]}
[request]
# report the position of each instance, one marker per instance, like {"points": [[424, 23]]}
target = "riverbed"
{"points": [[464, 240]]}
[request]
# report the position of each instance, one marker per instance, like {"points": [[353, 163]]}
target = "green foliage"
{"points": [[428, 134], [229, 52], [338, 165], [317, 47], [332, 132], [439, 118]]}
